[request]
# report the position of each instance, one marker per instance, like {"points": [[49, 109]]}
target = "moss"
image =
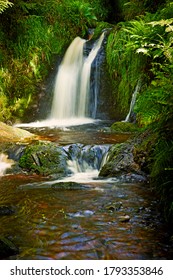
{"points": [[44, 158], [100, 27], [125, 67], [125, 127]]}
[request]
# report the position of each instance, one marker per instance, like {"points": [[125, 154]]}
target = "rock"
{"points": [[7, 248], [81, 214], [13, 134], [124, 218], [125, 127], [6, 210], [122, 163], [44, 158], [69, 186], [115, 206]]}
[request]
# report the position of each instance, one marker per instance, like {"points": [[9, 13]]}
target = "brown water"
{"points": [[86, 223]]}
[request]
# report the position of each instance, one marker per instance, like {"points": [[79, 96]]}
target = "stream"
{"points": [[81, 216], [98, 219]]}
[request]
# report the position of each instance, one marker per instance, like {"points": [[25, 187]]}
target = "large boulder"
{"points": [[44, 158], [11, 134], [128, 160]]}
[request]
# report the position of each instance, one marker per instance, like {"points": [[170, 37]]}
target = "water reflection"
{"points": [[82, 224]]}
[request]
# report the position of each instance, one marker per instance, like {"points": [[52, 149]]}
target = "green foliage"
{"points": [[125, 67], [32, 33], [142, 49], [125, 127], [4, 4], [100, 27], [81, 14], [162, 175]]}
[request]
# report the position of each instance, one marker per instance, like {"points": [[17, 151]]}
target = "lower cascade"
{"points": [[83, 158]]}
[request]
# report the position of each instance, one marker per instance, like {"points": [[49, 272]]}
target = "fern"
{"points": [[4, 4]]}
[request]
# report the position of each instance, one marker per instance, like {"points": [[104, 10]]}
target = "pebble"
{"points": [[124, 218]]}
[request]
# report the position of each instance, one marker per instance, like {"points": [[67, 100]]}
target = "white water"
{"points": [[133, 100], [67, 85], [82, 171], [5, 163], [70, 105], [85, 80]]}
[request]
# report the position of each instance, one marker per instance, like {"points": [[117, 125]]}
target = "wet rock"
{"points": [[6, 210], [124, 218], [80, 214], [131, 177], [44, 158], [116, 206], [7, 248], [69, 186], [121, 162], [11, 134]]}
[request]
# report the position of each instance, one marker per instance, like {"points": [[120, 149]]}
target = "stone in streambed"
{"points": [[124, 219], [69, 186]]}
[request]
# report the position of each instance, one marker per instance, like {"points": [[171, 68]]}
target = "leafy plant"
{"points": [[4, 4]]}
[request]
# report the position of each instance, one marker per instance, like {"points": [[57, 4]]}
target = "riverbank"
{"points": [[10, 134]]}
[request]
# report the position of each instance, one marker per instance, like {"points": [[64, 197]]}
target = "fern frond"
{"points": [[4, 4]]}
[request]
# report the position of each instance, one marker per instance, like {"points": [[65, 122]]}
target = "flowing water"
{"points": [[133, 100], [81, 216]]}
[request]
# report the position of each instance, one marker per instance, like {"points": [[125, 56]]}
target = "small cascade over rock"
{"points": [[84, 158]]}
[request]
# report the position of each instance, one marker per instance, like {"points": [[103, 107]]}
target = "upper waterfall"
{"points": [[72, 86], [73, 102], [65, 103]]}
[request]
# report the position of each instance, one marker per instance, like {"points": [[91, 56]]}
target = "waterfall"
{"points": [[85, 81], [71, 103], [82, 158], [133, 100], [67, 83], [72, 86]]}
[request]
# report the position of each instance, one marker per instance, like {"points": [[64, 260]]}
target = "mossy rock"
{"points": [[125, 127], [100, 27], [44, 158]]}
